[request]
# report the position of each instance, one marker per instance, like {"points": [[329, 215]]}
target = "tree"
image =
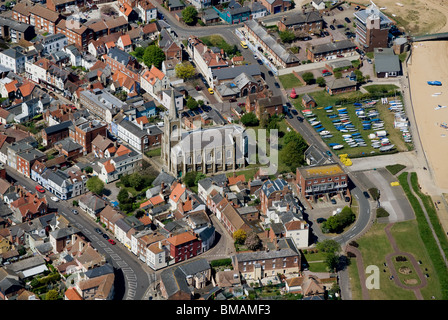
{"points": [[123, 196], [239, 236], [292, 154], [287, 36], [189, 178], [308, 77], [154, 56], [321, 81], [190, 15], [95, 185], [88, 170], [328, 245], [199, 177], [192, 103], [125, 180], [52, 295], [249, 120], [339, 221], [136, 181], [293, 150], [338, 74], [359, 76], [252, 241], [185, 70]]}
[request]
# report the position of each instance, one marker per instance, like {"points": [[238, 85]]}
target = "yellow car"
{"points": [[210, 91], [243, 44]]}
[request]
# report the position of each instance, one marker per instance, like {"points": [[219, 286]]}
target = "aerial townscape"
{"points": [[225, 150]]}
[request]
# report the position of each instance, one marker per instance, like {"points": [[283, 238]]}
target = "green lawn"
{"points": [[374, 246], [289, 81], [323, 99]]}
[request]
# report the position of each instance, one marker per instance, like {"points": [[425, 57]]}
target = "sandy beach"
{"points": [[430, 63]]}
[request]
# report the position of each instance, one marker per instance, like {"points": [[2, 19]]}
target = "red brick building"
{"points": [[40, 17], [271, 105], [27, 158], [272, 190], [316, 181], [184, 246], [79, 35], [85, 133], [276, 6]]}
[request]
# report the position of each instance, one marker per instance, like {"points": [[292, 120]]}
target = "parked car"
{"points": [[300, 119], [347, 19], [357, 8], [347, 199], [105, 236], [333, 201], [340, 26], [340, 8], [328, 153], [260, 62], [276, 85], [294, 112], [55, 199], [320, 220], [111, 241], [210, 90], [98, 230], [40, 189], [332, 27], [270, 73], [75, 211]]}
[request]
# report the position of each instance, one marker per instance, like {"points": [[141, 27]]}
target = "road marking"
{"points": [[87, 231], [122, 264], [109, 250], [94, 237], [127, 270], [115, 256], [102, 244]]}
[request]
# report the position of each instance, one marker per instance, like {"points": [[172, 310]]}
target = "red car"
{"points": [[111, 241], [40, 188]]}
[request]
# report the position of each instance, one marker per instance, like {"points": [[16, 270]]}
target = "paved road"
{"points": [[134, 276]]}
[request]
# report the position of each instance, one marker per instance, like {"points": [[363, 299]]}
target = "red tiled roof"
{"points": [[181, 238]]}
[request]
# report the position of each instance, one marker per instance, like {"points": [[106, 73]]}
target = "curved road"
{"points": [[133, 277]]}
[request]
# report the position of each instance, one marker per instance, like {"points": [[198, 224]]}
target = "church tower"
{"points": [[171, 134]]}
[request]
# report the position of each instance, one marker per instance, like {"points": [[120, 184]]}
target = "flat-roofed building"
{"points": [[372, 28], [316, 181]]}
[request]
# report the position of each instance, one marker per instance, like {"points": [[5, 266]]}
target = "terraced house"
{"points": [[36, 15], [307, 22]]}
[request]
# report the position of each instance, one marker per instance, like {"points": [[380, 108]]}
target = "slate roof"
{"points": [[332, 47], [270, 186], [386, 60]]}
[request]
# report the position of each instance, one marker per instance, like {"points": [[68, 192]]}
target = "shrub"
{"points": [[381, 212]]}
